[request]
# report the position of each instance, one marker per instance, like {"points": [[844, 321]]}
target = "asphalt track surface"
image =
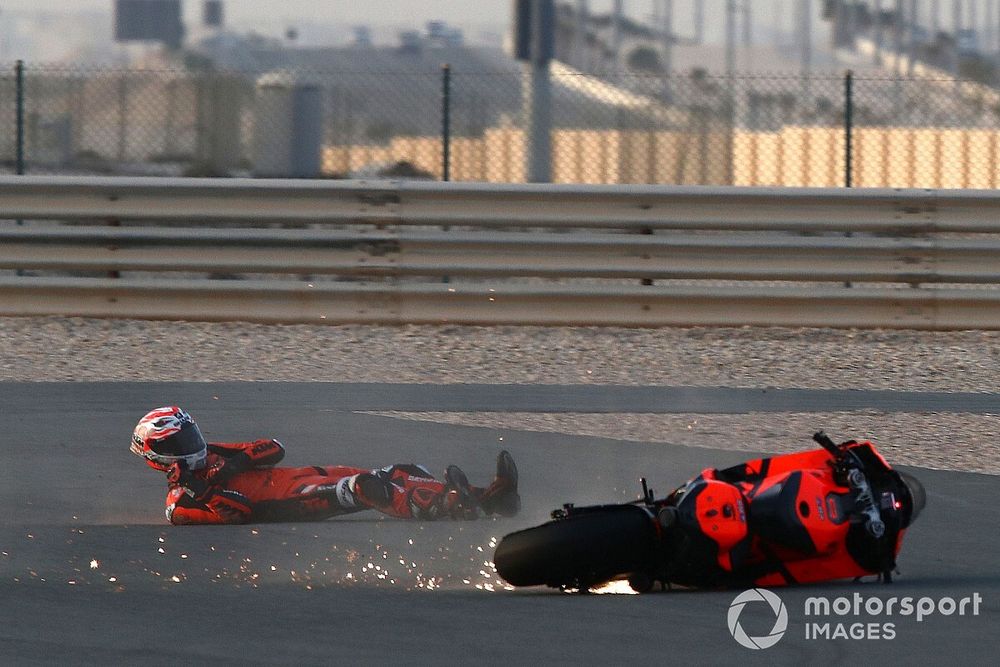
{"points": [[90, 573]]}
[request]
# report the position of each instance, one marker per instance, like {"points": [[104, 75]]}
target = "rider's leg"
{"points": [[501, 496], [309, 497], [409, 491]]}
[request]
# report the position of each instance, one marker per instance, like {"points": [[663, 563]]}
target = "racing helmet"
{"points": [[169, 435]]}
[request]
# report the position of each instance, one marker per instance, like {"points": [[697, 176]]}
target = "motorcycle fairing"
{"points": [[795, 529]]}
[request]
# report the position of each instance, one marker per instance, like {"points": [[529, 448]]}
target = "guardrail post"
{"points": [[445, 122]]}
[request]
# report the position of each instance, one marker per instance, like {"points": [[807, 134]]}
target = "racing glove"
{"points": [[178, 474]]}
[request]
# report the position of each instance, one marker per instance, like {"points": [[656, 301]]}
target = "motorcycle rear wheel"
{"points": [[580, 551]]}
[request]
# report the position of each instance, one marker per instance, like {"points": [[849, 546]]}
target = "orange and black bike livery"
{"points": [[831, 513]]}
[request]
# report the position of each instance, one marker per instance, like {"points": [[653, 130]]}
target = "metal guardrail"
{"points": [[354, 254], [498, 205], [340, 303], [767, 257]]}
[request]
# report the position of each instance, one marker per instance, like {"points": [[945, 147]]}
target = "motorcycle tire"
{"points": [[579, 551]]}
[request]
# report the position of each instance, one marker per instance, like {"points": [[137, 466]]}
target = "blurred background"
{"points": [[873, 93]]}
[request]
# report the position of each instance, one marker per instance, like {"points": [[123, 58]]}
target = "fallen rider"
{"points": [[236, 482]]}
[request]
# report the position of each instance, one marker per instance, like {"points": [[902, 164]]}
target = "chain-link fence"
{"points": [[695, 128]]}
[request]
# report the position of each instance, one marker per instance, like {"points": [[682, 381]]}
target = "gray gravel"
{"points": [[68, 349], [86, 349]]}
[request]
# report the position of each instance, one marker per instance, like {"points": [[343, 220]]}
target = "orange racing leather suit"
{"points": [[239, 484]]}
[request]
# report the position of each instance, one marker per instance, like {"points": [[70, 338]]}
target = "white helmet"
{"points": [[168, 435]]}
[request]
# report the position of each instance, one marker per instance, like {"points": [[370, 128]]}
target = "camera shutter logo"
{"points": [[780, 618]]}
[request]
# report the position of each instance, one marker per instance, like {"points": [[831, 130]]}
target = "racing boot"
{"points": [[501, 497], [460, 499]]}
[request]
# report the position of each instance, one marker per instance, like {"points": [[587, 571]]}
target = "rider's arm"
{"points": [[241, 456], [215, 507]]}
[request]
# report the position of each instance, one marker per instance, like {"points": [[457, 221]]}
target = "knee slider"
{"points": [[373, 489]]}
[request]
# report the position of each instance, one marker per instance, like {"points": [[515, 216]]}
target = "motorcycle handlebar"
{"points": [[824, 441]]}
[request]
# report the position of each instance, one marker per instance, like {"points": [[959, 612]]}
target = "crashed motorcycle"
{"points": [[831, 513]]}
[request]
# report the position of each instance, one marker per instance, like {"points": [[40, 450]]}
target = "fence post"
{"points": [[848, 129], [19, 129], [19, 111], [848, 138], [122, 117], [445, 122]]}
